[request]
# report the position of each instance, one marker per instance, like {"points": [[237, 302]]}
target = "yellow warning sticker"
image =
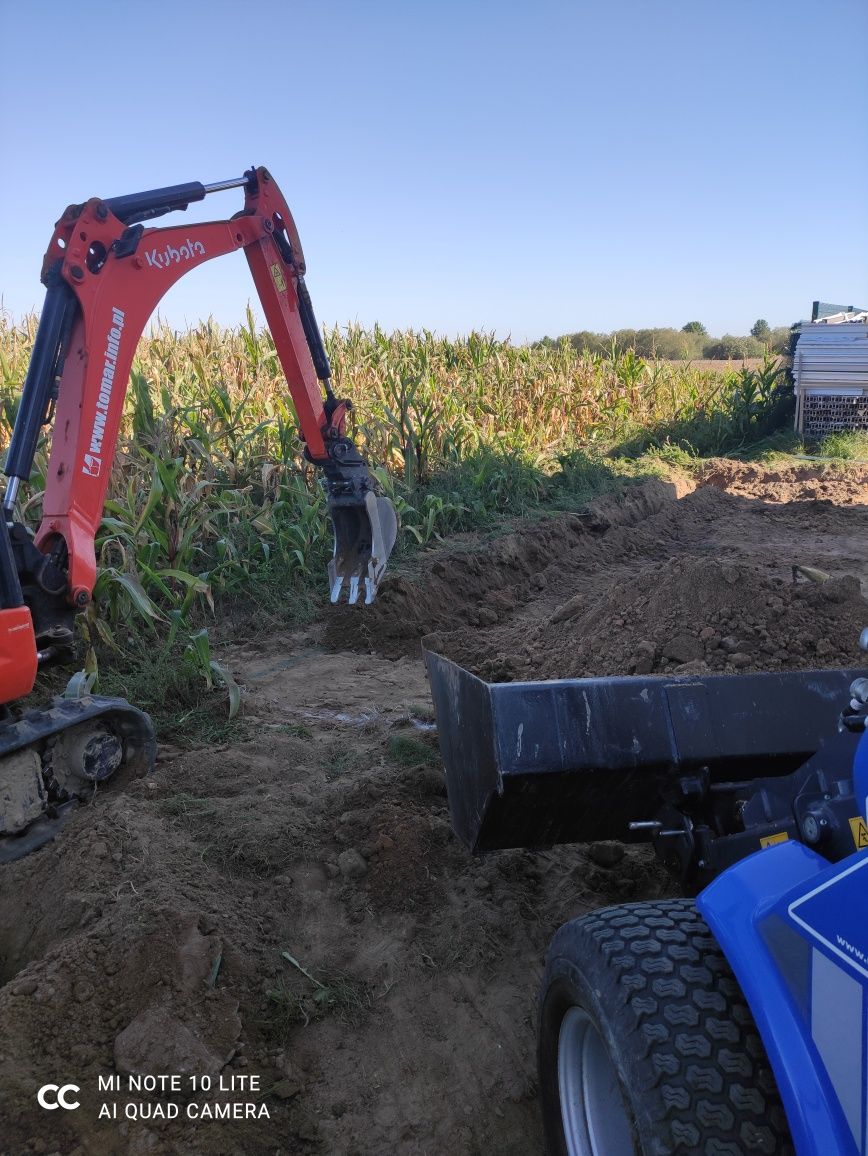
{"points": [[860, 832], [277, 277], [768, 840]]}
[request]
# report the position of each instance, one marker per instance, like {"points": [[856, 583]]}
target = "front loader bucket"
{"points": [[364, 537], [530, 764]]}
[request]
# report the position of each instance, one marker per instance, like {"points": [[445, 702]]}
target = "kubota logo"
{"points": [[53, 1096], [163, 258]]}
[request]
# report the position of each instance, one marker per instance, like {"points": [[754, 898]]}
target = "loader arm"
{"points": [[104, 274]]}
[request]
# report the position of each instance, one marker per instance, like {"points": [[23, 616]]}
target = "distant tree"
{"points": [[624, 339], [761, 330], [671, 344], [778, 340], [585, 339], [728, 347], [644, 343], [695, 327]]}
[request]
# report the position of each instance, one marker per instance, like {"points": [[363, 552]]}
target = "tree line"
{"points": [[690, 343]]}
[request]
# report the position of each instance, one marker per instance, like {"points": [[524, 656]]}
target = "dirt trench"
{"points": [[292, 915]]}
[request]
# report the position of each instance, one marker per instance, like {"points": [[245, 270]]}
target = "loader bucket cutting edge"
{"points": [[364, 538]]}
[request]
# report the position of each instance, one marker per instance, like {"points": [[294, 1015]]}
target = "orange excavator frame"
{"points": [[105, 274]]}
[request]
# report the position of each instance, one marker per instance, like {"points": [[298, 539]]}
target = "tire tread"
{"points": [[698, 1077]]}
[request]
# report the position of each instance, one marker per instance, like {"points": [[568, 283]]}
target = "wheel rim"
{"points": [[592, 1108]]}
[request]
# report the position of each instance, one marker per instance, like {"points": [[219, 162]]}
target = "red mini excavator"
{"points": [[104, 274]]}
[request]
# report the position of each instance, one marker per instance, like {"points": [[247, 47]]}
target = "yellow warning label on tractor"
{"points": [[860, 832], [277, 277], [768, 840]]}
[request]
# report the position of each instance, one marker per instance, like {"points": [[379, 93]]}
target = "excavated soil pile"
{"points": [[682, 616], [294, 908], [483, 584]]}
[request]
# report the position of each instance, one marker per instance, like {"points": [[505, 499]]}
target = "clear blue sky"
{"points": [[528, 168]]}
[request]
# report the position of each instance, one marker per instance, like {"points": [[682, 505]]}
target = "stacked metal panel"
{"points": [[830, 375]]}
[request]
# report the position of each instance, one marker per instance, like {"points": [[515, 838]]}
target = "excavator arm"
{"points": [[104, 274]]}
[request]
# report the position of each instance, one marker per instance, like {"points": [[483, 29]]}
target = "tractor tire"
{"points": [[646, 1044]]}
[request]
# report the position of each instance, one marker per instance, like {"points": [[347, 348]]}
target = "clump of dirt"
{"points": [[683, 616]]}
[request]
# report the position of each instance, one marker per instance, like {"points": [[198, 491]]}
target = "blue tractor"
{"points": [[733, 1022]]}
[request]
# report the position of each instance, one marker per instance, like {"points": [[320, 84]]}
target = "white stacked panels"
{"points": [[830, 373]]}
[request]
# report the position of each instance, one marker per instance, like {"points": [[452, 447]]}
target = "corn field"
{"points": [[210, 492]]}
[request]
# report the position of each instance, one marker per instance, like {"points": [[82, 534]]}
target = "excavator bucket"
{"points": [[364, 537]]}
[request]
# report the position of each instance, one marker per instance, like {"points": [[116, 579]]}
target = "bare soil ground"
{"points": [[295, 908]]}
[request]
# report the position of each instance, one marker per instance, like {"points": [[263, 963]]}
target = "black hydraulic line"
{"points": [[312, 333], [155, 202], [305, 309], [40, 385], [10, 583], [174, 198]]}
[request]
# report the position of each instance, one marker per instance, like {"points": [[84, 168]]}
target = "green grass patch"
{"points": [[296, 730], [337, 762], [408, 751], [183, 804], [306, 997], [847, 446], [422, 712], [159, 679]]}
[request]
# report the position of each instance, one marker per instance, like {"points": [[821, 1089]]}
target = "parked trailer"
{"points": [[732, 1023]]}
